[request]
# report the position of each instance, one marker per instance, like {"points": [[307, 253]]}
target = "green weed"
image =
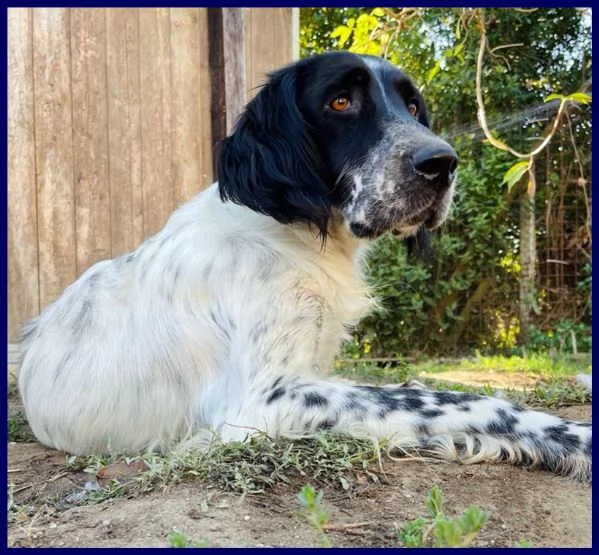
{"points": [[180, 539], [313, 512], [438, 530]]}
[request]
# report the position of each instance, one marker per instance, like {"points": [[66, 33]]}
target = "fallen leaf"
{"points": [[122, 470]]}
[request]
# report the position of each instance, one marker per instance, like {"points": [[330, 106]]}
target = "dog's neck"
{"points": [[338, 264]]}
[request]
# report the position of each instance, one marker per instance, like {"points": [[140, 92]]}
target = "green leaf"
{"points": [[363, 19], [337, 31], [343, 33], [434, 501], [513, 175], [581, 98], [458, 49], [436, 69], [473, 519], [554, 96], [377, 12]]}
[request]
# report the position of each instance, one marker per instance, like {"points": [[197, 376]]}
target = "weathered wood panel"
{"points": [[269, 43], [124, 130], [155, 90], [54, 151], [110, 129], [190, 79], [90, 136], [234, 58], [23, 278]]}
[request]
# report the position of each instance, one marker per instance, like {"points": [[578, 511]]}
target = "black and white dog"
{"points": [[227, 319]]}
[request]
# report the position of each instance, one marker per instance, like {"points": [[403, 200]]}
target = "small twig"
{"points": [[11, 470], [484, 44], [349, 526], [23, 488], [493, 50]]}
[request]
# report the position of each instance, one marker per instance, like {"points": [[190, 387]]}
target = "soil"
{"points": [[537, 506]]}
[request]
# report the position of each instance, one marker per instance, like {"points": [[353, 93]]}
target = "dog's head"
{"points": [[340, 133]]}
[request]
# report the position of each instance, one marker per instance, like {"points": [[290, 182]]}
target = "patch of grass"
{"points": [[554, 393], [13, 386], [551, 394], [180, 539], [374, 372], [313, 512], [18, 428], [536, 365], [245, 467], [438, 530]]}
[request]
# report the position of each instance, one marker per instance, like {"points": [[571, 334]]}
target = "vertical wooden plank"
{"points": [[192, 160], [124, 129], [206, 139], [54, 151], [235, 62], [269, 46], [226, 29], [90, 135], [155, 89], [216, 60], [23, 277]]}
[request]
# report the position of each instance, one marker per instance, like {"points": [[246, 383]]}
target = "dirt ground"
{"points": [[528, 505]]}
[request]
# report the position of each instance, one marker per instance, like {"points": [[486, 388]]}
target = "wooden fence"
{"points": [[111, 125]]}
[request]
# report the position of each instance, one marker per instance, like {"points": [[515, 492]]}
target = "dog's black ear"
{"points": [[420, 246], [271, 164]]}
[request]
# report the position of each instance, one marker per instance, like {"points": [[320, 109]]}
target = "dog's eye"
{"points": [[341, 103], [413, 109]]}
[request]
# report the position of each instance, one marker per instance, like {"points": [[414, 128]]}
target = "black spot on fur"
{"points": [[388, 400], [94, 278], [456, 398], [504, 424], [354, 403], [561, 435], [423, 429], [84, 317], [314, 399], [432, 413], [327, 424], [278, 392]]}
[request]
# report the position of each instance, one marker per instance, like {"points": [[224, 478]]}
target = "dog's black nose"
{"points": [[436, 160]]}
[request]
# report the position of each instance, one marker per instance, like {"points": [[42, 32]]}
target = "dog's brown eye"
{"points": [[340, 104], [413, 109]]}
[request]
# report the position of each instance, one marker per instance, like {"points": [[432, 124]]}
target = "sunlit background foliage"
{"points": [[468, 298]]}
